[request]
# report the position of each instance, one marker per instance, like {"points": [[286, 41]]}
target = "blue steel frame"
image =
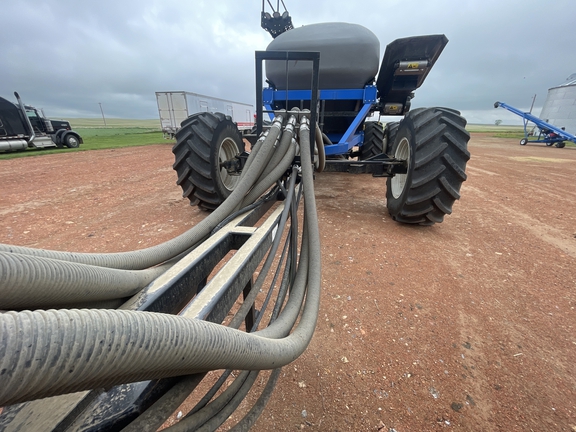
{"points": [[561, 135], [311, 56], [343, 142], [352, 137]]}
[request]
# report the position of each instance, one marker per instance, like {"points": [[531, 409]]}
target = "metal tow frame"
{"points": [[313, 95]]}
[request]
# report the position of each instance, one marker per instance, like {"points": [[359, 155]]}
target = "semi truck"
{"points": [[176, 106], [24, 126]]}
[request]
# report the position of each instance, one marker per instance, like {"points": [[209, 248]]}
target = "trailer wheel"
{"points": [[71, 141], [204, 141], [434, 142], [561, 144], [390, 136], [523, 141], [373, 140], [549, 144]]}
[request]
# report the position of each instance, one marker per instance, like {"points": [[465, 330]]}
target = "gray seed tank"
{"points": [[349, 56]]}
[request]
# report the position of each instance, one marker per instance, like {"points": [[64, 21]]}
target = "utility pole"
{"points": [[532, 106], [102, 111]]}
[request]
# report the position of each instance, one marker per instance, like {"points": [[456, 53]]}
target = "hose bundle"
{"points": [[55, 351]]}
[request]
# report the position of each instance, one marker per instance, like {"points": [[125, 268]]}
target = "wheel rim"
{"points": [[73, 142], [228, 150], [398, 182]]}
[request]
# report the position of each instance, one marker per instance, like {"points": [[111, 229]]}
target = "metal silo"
{"points": [[560, 106]]}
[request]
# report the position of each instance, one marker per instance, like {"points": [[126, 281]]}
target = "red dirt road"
{"points": [[466, 325]]}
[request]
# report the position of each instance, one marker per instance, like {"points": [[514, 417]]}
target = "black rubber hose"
{"points": [[222, 403], [249, 300], [155, 416], [321, 163], [249, 419]]}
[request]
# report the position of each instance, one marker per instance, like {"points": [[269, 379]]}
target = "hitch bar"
{"points": [[378, 166]]}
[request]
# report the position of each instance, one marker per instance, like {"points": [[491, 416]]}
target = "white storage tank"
{"points": [[560, 106]]}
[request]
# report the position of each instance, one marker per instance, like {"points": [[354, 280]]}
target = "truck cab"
{"points": [[24, 126]]}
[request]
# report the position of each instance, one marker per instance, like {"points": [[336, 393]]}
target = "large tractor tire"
{"points": [[204, 141], [373, 140], [434, 142], [390, 136]]}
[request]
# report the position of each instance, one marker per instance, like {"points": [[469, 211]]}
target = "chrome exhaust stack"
{"points": [[23, 109]]}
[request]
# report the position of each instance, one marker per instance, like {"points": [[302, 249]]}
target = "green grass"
{"points": [[493, 128], [508, 134], [82, 123], [86, 133], [118, 134]]}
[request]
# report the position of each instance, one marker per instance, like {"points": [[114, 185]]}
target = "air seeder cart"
{"points": [[332, 69]]}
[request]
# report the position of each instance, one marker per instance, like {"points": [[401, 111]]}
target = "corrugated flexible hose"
{"points": [[46, 353]]}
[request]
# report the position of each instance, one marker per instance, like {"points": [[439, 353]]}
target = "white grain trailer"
{"points": [[176, 106]]}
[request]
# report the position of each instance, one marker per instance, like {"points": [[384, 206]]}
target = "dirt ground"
{"points": [[466, 325]]}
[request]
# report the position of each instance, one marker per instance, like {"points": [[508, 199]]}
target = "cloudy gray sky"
{"points": [[66, 56]]}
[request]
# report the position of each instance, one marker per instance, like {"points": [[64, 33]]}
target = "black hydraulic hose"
{"points": [[36, 282], [249, 300], [289, 314], [144, 258], [210, 394], [283, 290], [235, 401], [45, 353], [155, 416], [321, 163], [260, 314], [249, 419], [207, 414]]}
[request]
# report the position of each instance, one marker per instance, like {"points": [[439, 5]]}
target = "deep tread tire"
{"points": [[434, 141], [390, 134], [202, 143], [373, 140]]}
